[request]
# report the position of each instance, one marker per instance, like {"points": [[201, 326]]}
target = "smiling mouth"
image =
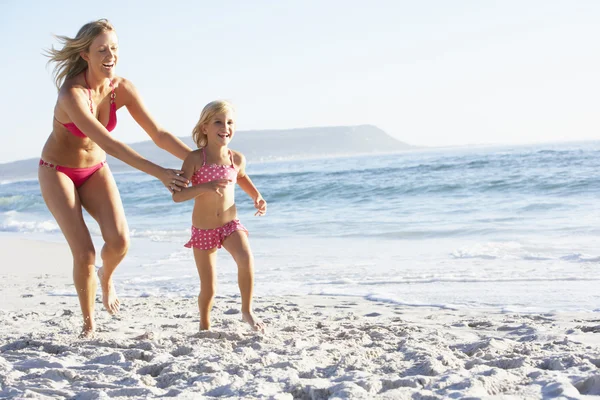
{"points": [[108, 65], [225, 136]]}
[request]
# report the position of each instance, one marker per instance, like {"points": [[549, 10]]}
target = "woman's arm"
{"points": [[139, 112], [74, 104]]}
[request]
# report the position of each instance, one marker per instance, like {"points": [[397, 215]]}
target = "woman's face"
{"points": [[103, 54]]}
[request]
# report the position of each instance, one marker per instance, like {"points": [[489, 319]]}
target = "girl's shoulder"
{"points": [[195, 157], [238, 158]]}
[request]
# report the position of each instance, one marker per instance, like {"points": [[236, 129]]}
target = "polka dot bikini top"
{"points": [[211, 172]]}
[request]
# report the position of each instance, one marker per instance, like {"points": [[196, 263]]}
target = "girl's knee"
{"points": [[207, 292], [245, 260]]}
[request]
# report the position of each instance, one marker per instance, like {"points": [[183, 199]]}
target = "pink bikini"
{"points": [[80, 175], [206, 239]]}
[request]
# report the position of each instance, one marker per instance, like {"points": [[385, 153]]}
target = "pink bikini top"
{"points": [[112, 117], [211, 172]]}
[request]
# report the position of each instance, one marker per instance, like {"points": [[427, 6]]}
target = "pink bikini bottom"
{"points": [[78, 175], [206, 239]]}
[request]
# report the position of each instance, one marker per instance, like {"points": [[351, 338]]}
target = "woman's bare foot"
{"points": [[254, 323], [109, 295]]}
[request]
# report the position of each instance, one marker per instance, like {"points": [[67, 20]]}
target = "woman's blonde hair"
{"points": [[208, 112], [68, 61]]}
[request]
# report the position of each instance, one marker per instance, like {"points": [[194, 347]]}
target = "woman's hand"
{"points": [[173, 180], [261, 205], [217, 185]]}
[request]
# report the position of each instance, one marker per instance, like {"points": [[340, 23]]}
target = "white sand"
{"points": [[316, 347]]}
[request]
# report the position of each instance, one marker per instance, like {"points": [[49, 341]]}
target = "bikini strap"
{"points": [[203, 156], [89, 90], [113, 95], [231, 158]]}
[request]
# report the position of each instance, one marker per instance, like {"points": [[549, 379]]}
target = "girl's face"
{"points": [[220, 129], [103, 54]]}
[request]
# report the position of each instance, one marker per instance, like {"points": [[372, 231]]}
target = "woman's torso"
{"points": [[65, 148], [211, 210]]}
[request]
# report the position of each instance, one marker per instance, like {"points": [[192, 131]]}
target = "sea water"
{"points": [[507, 228]]}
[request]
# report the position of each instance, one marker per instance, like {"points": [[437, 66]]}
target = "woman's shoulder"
{"points": [[71, 93], [123, 83], [72, 87]]}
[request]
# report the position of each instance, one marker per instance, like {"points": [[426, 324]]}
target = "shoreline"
{"points": [[316, 346]]}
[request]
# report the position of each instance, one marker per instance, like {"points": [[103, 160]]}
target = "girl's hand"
{"points": [[217, 185], [261, 205], [173, 180]]}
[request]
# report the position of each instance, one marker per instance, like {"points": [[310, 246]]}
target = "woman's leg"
{"points": [[206, 261], [63, 201], [238, 246], [100, 197]]}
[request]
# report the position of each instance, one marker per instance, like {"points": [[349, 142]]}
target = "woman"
{"points": [[73, 173]]}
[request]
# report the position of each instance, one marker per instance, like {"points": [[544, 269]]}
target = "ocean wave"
{"points": [[161, 235], [580, 258], [515, 251], [447, 279], [29, 226]]}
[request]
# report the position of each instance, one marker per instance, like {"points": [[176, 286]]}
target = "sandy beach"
{"points": [[316, 347]]}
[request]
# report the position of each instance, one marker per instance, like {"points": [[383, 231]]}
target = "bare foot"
{"points": [[87, 332], [109, 295], [254, 323], [204, 327]]}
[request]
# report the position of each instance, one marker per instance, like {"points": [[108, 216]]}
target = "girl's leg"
{"points": [[100, 197], [206, 261], [238, 246], [63, 201]]}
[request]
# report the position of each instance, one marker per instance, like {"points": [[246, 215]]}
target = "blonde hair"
{"points": [[208, 112], [68, 61]]}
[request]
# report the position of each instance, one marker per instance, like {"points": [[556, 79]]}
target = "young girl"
{"points": [[213, 170]]}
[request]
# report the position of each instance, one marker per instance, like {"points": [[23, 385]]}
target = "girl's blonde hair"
{"points": [[208, 112], [68, 61]]}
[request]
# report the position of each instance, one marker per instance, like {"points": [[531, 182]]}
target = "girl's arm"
{"points": [[74, 104], [187, 193], [247, 186], [139, 112]]}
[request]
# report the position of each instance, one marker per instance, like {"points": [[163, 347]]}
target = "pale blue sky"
{"points": [[431, 73]]}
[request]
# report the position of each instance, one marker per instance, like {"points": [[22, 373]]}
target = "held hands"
{"points": [[173, 180], [217, 185], [261, 205]]}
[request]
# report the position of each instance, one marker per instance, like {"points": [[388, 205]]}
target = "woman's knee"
{"points": [[118, 243], [84, 256]]}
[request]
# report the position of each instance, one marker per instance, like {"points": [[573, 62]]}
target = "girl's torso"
{"points": [[210, 209], [67, 145]]}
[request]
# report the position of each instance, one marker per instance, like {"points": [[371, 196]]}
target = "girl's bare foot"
{"points": [[88, 331], [204, 326], [254, 323], [109, 295]]}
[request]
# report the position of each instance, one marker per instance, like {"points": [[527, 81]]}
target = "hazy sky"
{"points": [[427, 72]]}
